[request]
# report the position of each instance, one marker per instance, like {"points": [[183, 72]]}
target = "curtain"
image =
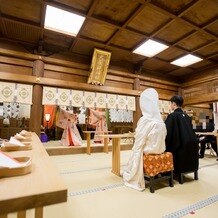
{"points": [[76, 98], [15, 93]]}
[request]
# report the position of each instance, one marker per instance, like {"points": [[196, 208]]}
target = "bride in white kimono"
{"points": [[149, 139]]}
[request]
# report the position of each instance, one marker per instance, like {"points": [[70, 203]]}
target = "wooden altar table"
{"points": [[116, 149], [43, 186], [88, 140]]}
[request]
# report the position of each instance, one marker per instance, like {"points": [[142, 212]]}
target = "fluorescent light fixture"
{"points": [[62, 21], [150, 48], [186, 60]]}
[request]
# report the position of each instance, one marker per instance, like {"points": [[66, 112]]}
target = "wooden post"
{"points": [[116, 156], [21, 214], [36, 109], [106, 140], [88, 139], [39, 212], [137, 114], [180, 91]]}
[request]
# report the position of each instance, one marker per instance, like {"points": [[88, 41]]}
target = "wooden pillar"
{"points": [[180, 91], [39, 212], [137, 114], [36, 109], [21, 214]]}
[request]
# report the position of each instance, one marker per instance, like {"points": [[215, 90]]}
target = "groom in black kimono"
{"points": [[181, 140]]}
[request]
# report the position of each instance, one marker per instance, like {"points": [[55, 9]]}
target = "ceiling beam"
{"points": [[89, 13], [116, 25], [79, 36], [2, 23], [194, 32], [43, 11], [210, 22], [188, 7], [204, 46], [15, 20], [116, 46], [211, 56], [89, 16], [128, 20], [174, 17], [171, 71], [17, 41], [179, 17], [145, 3], [19, 20], [64, 7], [159, 29], [197, 70], [187, 36], [199, 28]]}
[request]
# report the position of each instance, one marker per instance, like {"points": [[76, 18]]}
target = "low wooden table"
{"points": [[43, 186], [116, 150], [210, 133], [88, 140]]}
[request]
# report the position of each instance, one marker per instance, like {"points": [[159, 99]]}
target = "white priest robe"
{"points": [[149, 139]]}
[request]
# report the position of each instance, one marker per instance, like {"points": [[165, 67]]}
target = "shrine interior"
{"points": [[72, 73]]}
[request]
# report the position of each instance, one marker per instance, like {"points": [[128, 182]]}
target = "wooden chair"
{"points": [[158, 167]]}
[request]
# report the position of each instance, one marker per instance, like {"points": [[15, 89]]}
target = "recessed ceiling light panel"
{"points": [[62, 21], [186, 60], [150, 48]]}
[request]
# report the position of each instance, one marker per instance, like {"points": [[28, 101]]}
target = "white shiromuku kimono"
{"points": [[149, 139]]}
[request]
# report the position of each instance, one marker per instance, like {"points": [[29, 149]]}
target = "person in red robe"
{"points": [[71, 135], [98, 119]]}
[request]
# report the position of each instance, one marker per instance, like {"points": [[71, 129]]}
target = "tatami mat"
{"points": [[94, 192]]}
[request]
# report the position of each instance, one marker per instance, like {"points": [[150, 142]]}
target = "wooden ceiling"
{"points": [[119, 26]]}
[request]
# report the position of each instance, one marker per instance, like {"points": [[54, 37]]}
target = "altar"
{"points": [[42, 187]]}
